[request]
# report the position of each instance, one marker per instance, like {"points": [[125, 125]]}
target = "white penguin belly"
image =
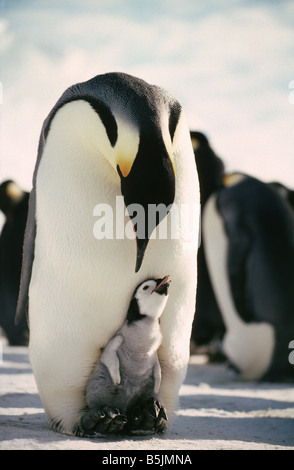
{"points": [[248, 346]]}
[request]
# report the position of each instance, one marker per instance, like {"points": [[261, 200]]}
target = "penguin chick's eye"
{"points": [[146, 287]]}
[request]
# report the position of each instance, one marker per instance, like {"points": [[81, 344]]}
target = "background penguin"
{"points": [[114, 135], [14, 205], [209, 166], [248, 231], [129, 368], [284, 191], [208, 327]]}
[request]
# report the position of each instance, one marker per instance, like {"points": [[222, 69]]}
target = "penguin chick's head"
{"points": [[149, 300]]}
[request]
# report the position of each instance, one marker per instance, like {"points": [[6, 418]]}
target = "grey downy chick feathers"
{"points": [[128, 367]]}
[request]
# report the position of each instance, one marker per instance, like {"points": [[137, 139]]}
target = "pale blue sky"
{"points": [[229, 64]]}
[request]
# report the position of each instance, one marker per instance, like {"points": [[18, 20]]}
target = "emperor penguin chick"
{"points": [[122, 393]]}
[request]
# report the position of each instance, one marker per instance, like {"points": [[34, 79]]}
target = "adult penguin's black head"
{"points": [[150, 183], [135, 132], [209, 166], [151, 180]]}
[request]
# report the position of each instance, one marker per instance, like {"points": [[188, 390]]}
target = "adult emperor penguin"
{"points": [[285, 192], [248, 231], [208, 326], [110, 137], [128, 370]]}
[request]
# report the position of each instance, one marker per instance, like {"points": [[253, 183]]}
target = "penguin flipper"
{"points": [[239, 245], [110, 358], [29, 236], [157, 375], [28, 258]]}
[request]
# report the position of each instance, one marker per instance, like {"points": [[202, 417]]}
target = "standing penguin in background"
{"points": [[284, 191], [208, 326], [14, 205], [112, 136], [248, 235]]}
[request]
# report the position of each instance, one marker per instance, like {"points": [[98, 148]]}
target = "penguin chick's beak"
{"points": [[162, 285]]}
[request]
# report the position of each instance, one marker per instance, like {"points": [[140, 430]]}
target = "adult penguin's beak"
{"points": [[141, 247]]}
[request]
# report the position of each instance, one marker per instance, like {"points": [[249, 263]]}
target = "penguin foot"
{"points": [[146, 417], [98, 422]]}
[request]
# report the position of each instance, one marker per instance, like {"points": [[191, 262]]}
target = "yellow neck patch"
{"points": [[127, 145], [230, 179], [14, 192]]}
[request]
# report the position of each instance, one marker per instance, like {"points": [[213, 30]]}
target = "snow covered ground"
{"points": [[217, 411]]}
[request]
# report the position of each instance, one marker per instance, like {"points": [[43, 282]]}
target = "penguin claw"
{"points": [[117, 424], [153, 408], [103, 421], [147, 417], [162, 413]]}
